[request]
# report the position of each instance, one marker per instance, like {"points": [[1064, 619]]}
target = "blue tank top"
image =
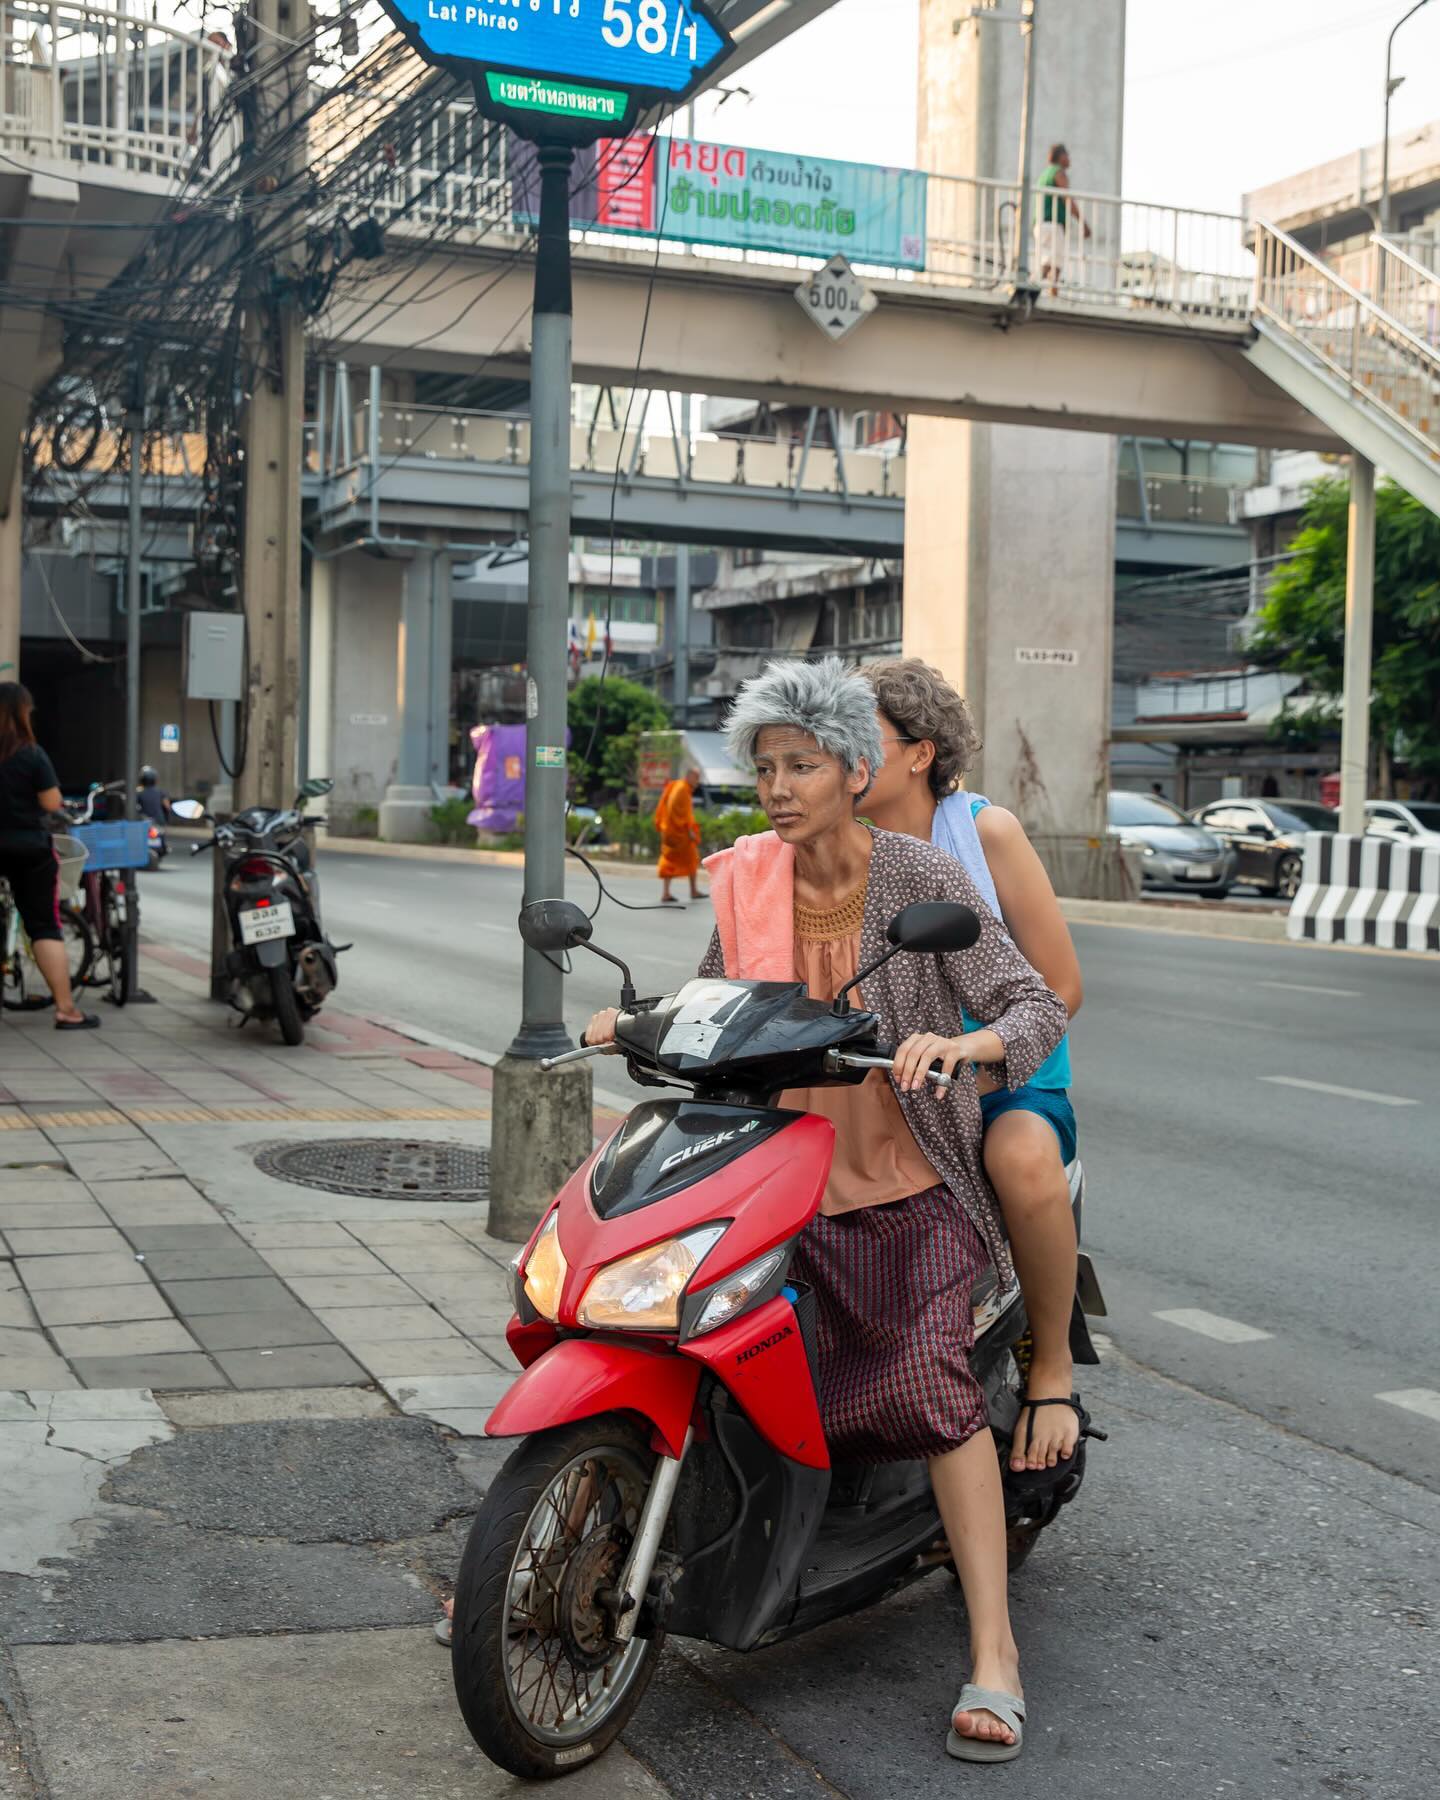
{"points": [[956, 833]]}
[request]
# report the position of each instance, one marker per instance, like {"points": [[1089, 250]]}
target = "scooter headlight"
{"points": [[643, 1292], [545, 1271]]}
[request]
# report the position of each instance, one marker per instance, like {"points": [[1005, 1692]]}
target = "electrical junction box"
{"points": [[215, 656]]}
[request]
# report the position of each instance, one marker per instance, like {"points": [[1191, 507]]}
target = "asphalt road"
{"points": [[1218, 1190]]}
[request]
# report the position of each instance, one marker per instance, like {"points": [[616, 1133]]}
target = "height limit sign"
{"points": [[836, 299]]}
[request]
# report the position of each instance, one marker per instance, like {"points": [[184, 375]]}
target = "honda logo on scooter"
{"points": [[766, 1344]]}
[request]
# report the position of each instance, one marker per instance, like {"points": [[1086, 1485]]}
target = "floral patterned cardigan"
{"points": [[916, 992]]}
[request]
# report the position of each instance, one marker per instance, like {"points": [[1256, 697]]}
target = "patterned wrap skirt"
{"points": [[894, 1326]]}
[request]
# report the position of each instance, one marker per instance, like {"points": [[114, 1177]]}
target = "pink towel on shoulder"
{"points": [[752, 886]]}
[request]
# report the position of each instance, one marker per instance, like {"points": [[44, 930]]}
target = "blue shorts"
{"points": [[1051, 1104]]}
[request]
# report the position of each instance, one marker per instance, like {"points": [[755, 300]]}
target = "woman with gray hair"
{"points": [[908, 1219]]}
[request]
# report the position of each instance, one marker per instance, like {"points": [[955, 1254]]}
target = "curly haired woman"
{"points": [[930, 741]]}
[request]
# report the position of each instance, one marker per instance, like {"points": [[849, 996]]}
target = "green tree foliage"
{"points": [[625, 709], [1302, 624]]}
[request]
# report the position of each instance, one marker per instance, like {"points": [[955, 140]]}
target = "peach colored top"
{"points": [[877, 1160]]}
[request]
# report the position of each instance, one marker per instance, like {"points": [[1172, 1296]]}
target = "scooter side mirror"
{"points": [[935, 925], [315, 788], [554, 925], [187, 809], [928, 925]]}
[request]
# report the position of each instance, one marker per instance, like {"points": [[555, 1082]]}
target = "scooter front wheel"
{"points": [[543, 1683]]}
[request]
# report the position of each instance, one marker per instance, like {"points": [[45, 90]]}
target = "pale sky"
{"points": [[1220, 97]]}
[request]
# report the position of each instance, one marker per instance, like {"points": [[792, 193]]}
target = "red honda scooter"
{"points": [[672, 1473]]}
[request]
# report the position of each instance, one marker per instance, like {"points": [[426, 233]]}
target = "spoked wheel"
{"points": [[122, 929], [542, 1682], [1288, 873], [26, 989]]}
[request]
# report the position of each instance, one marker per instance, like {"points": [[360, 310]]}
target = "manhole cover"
{"points": [[381, 1168]]}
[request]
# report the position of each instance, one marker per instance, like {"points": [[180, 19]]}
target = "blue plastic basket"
{"points": [[118, 844]]}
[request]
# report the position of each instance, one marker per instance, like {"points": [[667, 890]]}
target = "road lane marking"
{"points": [[1417, 1400], [1304, 987], [1341, 1093], [1212, 1325]]}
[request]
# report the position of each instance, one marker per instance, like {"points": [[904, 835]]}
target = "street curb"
{"points": [[486, 859], [1193, 921]]}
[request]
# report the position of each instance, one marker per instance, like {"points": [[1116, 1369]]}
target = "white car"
{"points": [[1404, 821]]}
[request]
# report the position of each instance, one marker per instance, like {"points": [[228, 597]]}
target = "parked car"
{"points": [[1404, 821], [1178, 853], [1268, 838]]}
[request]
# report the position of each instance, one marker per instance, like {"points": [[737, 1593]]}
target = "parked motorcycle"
{"points": [[281, 965], [672, 1472]]}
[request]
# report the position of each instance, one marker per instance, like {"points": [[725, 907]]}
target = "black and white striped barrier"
{"points": [[1368, 890]]}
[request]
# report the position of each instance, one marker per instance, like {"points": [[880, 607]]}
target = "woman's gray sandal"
{"points": [[1009, 1709]]}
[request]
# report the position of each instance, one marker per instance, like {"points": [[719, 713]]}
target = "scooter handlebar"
{"points": [[583, 1054]]}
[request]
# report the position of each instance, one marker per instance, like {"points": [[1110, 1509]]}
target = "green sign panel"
{"points": [[557, 99]]}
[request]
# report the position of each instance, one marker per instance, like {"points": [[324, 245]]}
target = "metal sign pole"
{"points": [[135, 427], [542, 1122]]}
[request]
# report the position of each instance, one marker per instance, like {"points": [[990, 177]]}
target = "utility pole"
{"points": [[683, 591], [135, 432], [274, 345], [1359, 633], [542, 1122]]}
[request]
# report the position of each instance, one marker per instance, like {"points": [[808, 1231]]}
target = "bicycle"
{"points": [[24, 988], [117, 848]]}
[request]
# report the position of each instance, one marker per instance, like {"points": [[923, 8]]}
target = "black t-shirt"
{"points": [[152, 803], [23, 778]]}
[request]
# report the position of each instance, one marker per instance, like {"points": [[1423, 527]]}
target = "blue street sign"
{"points": [[591, 63]]}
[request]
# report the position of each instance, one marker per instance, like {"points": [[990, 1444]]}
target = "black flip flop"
{"points": [[1042, 1480], [86, 1022]]}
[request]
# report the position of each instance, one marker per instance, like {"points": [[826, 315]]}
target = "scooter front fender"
{"points": [[582, 1377]]}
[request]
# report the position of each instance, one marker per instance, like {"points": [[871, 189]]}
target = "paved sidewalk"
{"points": [[141, 1248]]}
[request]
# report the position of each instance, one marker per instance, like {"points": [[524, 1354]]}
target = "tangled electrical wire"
{"points": [[305, 155]]}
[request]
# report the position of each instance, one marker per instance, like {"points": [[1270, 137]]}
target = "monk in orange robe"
{"points": [[679, 836]]}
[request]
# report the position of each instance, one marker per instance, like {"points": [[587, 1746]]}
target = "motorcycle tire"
{"points": [[121, 941], [286, 1005], [491, 1631]]}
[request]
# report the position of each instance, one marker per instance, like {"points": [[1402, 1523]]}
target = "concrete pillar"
{"points": [[1010, 530], [11, 564], [320, 737], [405, 810]]}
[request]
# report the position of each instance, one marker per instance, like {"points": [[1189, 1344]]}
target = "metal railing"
{"points": [[98, 85], [1405, 288], [1104, 251], [1384, 363], [378, 433]]}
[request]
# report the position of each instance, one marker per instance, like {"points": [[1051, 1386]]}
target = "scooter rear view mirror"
{"points": [[928, 925], [935, 925], [554, 925], [187, 809], [549, 925]]}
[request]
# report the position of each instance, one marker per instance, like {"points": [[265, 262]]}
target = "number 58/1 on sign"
{"points": [[649, 24]]}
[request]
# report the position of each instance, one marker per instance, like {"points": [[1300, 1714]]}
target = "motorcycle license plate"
{"points": [[262, 923]]}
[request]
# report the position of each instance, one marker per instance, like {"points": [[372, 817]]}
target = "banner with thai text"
{"points": [[751, 199]]}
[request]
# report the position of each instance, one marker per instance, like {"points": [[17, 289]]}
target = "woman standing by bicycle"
{"points": [[28, 793]]}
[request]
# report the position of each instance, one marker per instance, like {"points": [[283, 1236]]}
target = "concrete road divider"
{"points": [[1368, 890]]}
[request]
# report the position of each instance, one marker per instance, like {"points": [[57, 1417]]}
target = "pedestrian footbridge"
{"points": [[1165, 322]]}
